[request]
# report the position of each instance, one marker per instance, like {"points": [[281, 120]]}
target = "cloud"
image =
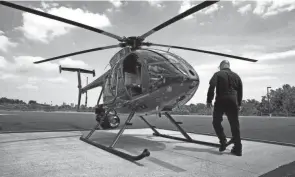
{"points": [[185, 5], [243, 10], [3, 62], [33, 80], [6, 76], [43, 29], [271, 56], [57, 80], [48, 5], [5, 42], [279, 7], [28, 86], [240, 67], [116, 3], [238, 2], [259, 78], [268, 8], [68, 62], [210, 9], [261, 7], [156, 3], [26, 64]]}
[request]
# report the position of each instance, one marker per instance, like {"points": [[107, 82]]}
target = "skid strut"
{"points": [[187, 137], [111, 149]]}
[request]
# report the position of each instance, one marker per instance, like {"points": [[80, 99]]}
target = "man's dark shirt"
{"points": [[226, 83]]}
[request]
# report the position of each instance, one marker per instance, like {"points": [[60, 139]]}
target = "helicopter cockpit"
{"points": [[179, 63], [132, 75]]}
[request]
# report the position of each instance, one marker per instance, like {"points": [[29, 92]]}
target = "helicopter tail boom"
{"points": [[97, 82]]}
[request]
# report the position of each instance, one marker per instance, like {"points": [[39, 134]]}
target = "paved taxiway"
{"points": [[63, 154], [260, 128]]}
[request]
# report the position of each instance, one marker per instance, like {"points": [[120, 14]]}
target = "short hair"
{"points": [[224, 64]]}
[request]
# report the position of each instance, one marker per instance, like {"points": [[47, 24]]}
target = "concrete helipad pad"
{"points": [[63, 154]]}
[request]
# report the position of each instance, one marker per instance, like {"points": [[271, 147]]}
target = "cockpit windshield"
{"points": [[175, 61]]}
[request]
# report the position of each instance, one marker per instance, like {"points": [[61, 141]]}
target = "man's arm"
{"points": [[210, 93], [240, 91]]}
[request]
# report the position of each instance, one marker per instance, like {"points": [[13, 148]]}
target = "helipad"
{"points": [[62, 154]]}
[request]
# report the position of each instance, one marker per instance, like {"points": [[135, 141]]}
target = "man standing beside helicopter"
{"points": [[229, 93]]}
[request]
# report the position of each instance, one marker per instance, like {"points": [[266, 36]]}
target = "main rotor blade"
{"points": [[178, 17], [202, 51], [36, 12], [77, 53]]}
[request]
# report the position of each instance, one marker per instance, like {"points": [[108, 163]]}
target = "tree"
{"points": [[32, 102], [282, 100], [288, 99], [250, 107]]}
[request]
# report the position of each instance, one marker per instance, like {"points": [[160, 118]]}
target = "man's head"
{"points": [[224, 65]]}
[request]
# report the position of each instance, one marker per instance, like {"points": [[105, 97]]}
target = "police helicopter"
{"points": [[141, 80]]}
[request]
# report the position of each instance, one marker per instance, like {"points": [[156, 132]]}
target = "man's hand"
{"points": [[209, 105], [240, 108]]}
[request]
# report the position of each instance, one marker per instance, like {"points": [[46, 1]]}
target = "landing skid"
{"points": [[145, 152], [184, 133], [111, 149]]}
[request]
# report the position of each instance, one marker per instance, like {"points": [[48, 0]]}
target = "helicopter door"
{"points": [[117, 82], [132, 75]]}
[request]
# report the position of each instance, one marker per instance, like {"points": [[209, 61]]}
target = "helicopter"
{"points": [[141, 80]]}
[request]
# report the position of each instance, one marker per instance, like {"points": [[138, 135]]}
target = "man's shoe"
{"points": [[236, 151], [222, 146]]}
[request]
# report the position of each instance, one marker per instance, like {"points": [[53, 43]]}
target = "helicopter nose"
{"points": [[194, 84]]}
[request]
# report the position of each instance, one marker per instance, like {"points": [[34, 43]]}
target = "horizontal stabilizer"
{"points": [[76, 70]]}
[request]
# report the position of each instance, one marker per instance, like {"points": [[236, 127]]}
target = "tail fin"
{"points": [[79, 99], [79, 92]]}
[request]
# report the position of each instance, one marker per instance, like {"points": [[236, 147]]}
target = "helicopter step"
{"points": [[183, 132], [110, 149]]}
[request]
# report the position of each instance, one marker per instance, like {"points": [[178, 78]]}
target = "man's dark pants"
{"points": [[228, 105]]}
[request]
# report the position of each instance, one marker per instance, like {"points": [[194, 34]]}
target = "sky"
{"points": [[259, 29]]}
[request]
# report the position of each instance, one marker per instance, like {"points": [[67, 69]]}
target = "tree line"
{"points": [[33, 105], [279, 102]]}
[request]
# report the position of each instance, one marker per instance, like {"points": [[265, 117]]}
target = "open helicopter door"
{"points": [[135, 76]]}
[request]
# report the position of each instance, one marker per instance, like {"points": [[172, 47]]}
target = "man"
{"points": [[229, 93]]}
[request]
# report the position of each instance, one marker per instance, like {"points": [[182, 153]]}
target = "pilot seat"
{"points": [[132, 75]]}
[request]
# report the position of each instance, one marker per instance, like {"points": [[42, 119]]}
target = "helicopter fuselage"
{"points": [[148, 81]]}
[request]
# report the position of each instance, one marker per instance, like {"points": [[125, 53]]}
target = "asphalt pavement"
{"points": [[255, 128], [270, 129]]}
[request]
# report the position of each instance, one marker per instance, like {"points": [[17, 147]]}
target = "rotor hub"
{"points": [[133, 41]]}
